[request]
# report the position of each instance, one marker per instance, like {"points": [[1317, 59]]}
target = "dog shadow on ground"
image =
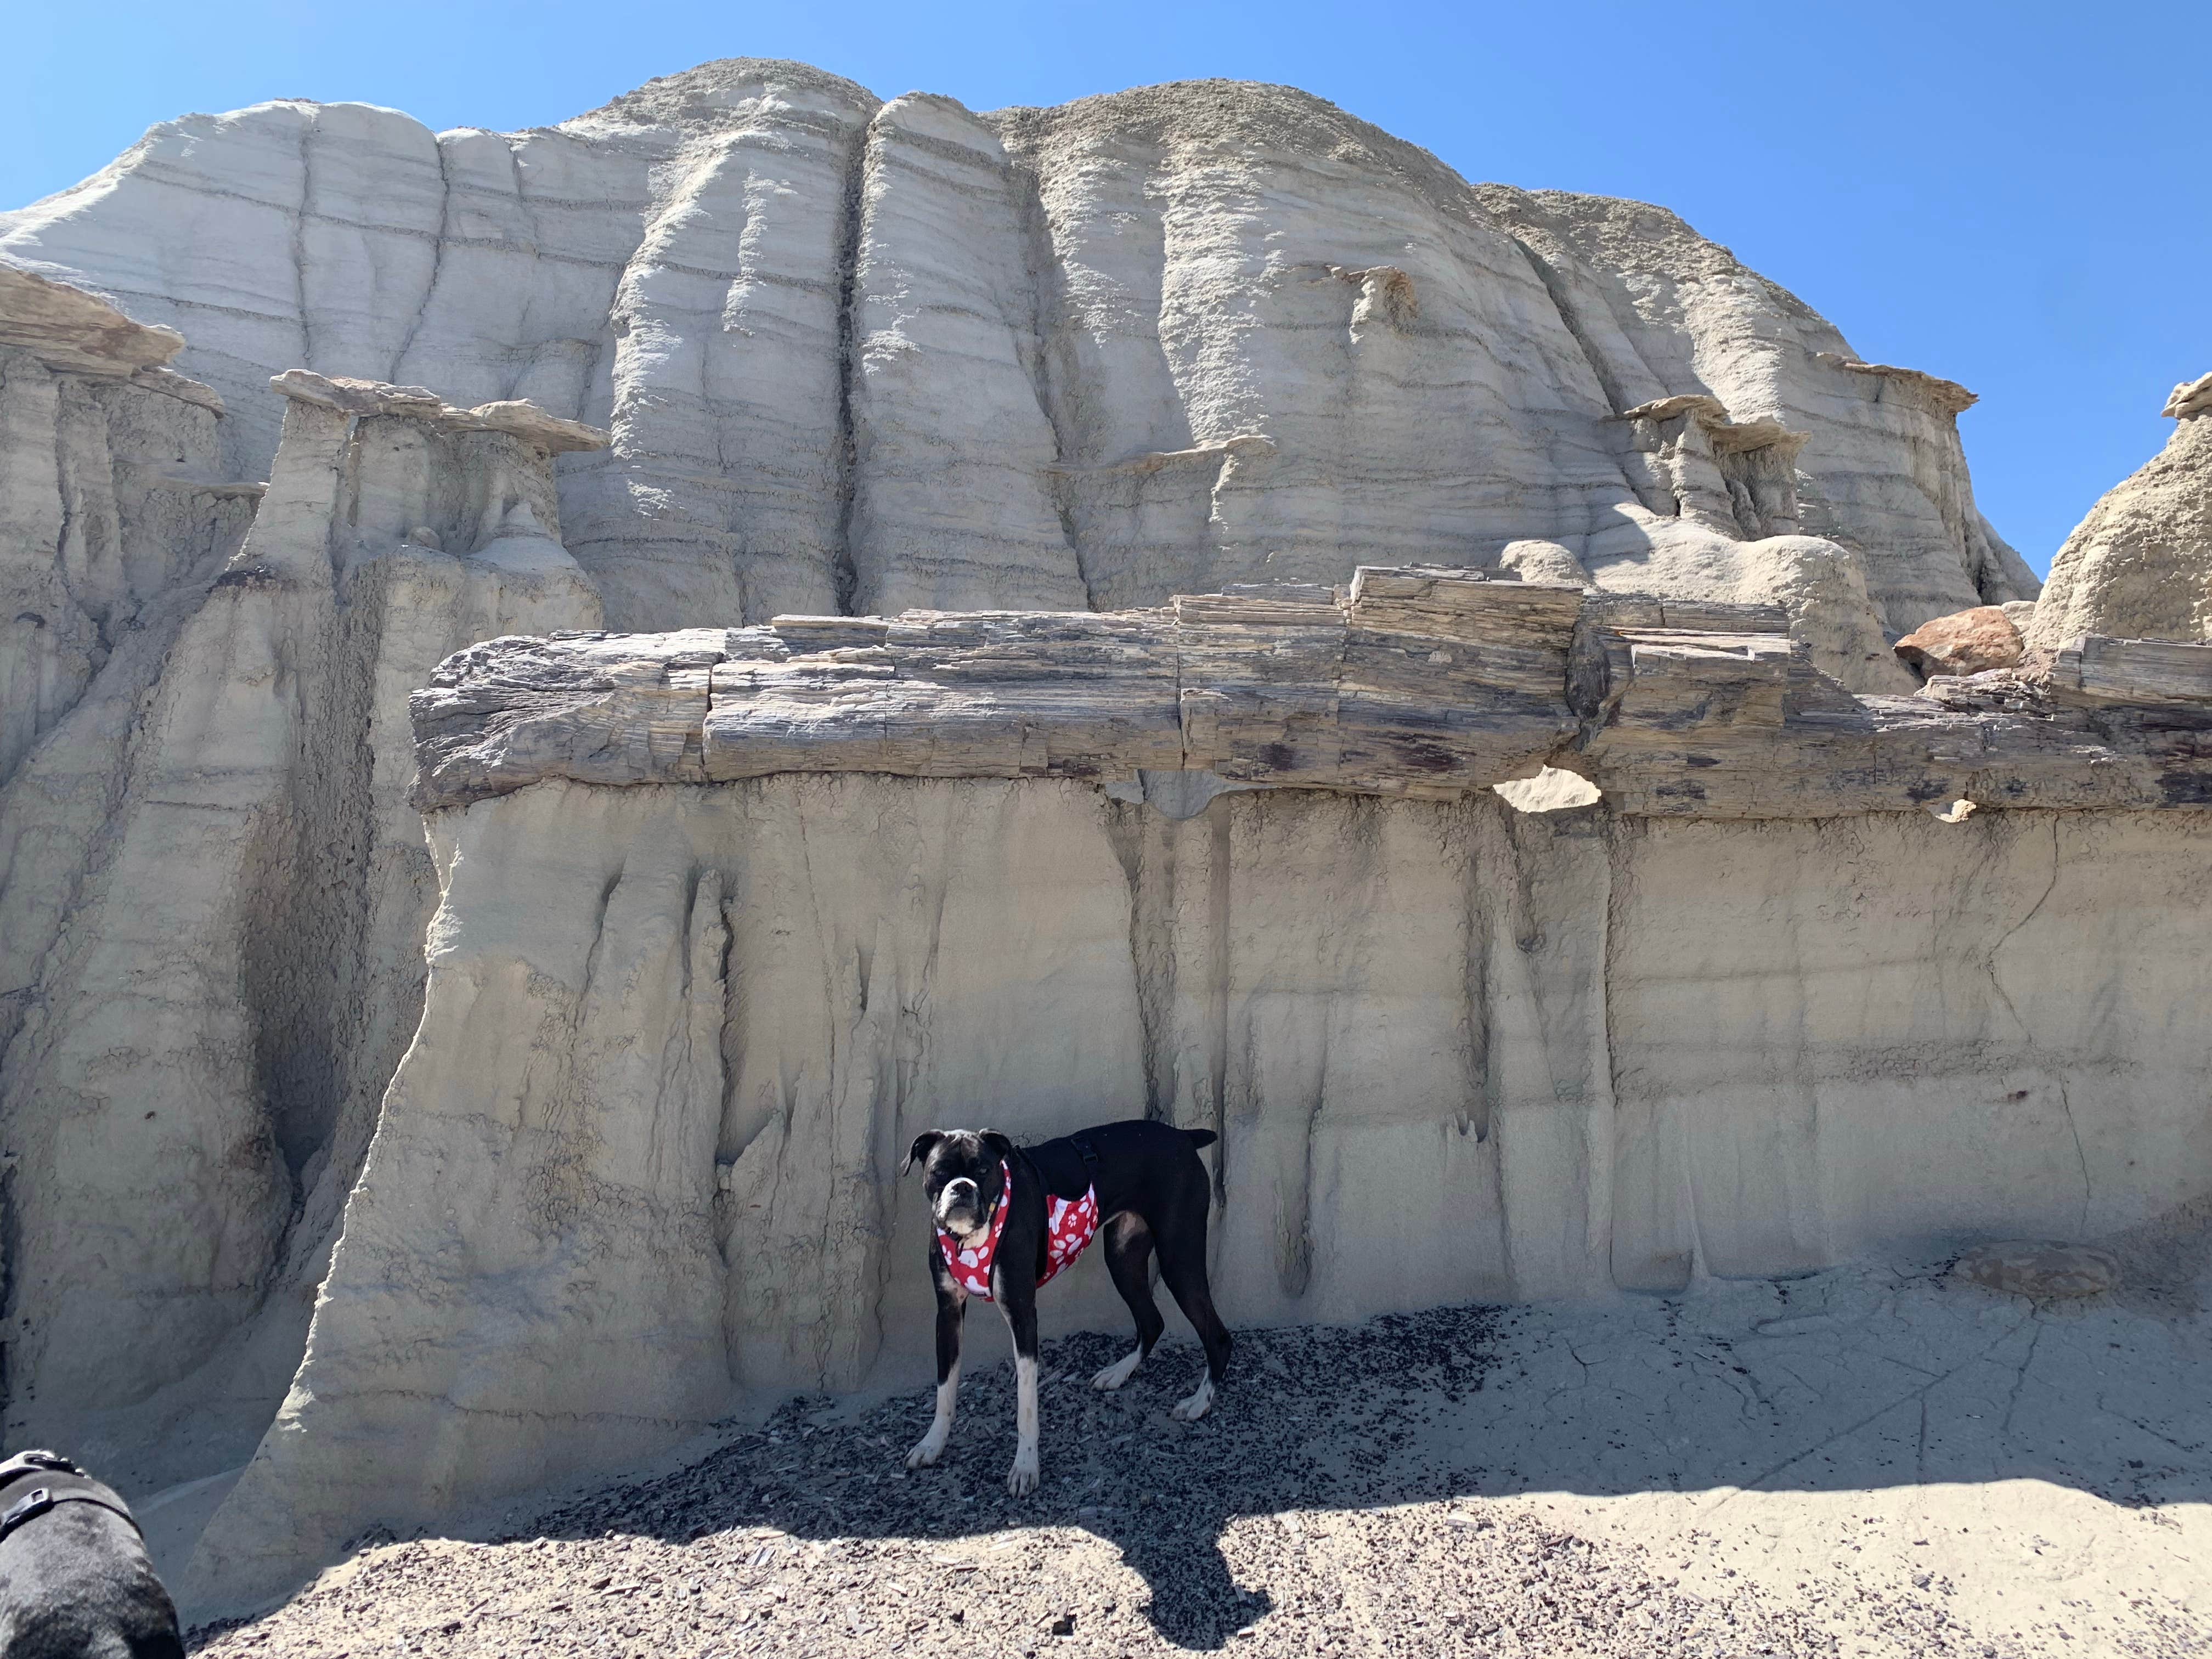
{"points": [[1864, 1377]]}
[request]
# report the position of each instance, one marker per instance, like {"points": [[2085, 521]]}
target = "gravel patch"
{"points": [[1337, 1502]]}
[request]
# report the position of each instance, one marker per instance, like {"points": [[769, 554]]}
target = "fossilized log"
{"points": [[1413, 682], [1419, 683]]}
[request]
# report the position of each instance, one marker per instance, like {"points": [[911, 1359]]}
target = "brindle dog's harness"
{"points": [[53, 1480]]}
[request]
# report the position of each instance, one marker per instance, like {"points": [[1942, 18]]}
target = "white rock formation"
{"points": [[858, 356], [727, 916], [1457, 1053], [2141, 564], [1751, 975], [215, 890]]}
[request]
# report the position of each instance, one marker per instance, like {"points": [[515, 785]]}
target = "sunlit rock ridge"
{"points": [[859, 355]]}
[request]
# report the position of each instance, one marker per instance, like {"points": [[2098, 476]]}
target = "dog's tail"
{"points": [[1201, 1137]]}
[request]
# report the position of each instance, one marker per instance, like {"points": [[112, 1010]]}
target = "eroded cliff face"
{"points": [[857, 356], [727, 916], [1266, 494], [642, 1154], [216, 892]]}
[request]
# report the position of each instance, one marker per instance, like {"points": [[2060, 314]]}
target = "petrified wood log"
{"points": [[1414, 682]]}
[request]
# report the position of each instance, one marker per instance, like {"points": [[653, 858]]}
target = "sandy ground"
{"points": [[1873, 1461]]}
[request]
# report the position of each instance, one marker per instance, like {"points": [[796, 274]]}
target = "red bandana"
{"points": [[1068, 1225]]}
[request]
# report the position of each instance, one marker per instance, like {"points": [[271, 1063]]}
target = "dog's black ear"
{"points": [[923, 1145], [998, 1143]]}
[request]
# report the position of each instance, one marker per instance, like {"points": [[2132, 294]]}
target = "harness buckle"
{"points": [[34, 1504]]}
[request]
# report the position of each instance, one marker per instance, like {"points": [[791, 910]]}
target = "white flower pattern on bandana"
{"points": [[1069, 1224]]}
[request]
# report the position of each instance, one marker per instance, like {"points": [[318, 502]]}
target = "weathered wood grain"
{"points": [[1413, 682]]}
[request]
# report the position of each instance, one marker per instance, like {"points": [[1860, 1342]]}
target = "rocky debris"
{"points": [[2041, 1271], [1437, 1507], [2140, 565], [1965, 643]]}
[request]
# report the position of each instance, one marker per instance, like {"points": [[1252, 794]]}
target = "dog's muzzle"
{"points": [[960, 1205]]}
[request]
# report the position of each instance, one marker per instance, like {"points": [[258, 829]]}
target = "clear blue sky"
{"points": [[2017, 196]]}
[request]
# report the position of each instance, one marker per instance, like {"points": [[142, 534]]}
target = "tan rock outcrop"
{"points": [[2140, 565], [1965, 643]]}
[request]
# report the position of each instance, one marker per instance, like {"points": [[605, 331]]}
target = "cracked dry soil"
{"points": [[1379, 1490]]}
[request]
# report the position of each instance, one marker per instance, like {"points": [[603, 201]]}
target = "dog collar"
{"points": [[54, 1489], [1070, 1224]]}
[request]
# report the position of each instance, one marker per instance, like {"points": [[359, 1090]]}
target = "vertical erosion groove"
{"points": [[1051, 372], [844, 573], [1149, 859], [1475, 826], [300, 241], [1619, 834], [1609, 382], [437, 264], [1221, 816]]}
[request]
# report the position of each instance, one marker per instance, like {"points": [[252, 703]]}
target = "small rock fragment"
{"points": [[2023, 1267]]}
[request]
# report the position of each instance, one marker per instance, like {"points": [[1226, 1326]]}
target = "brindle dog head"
{"points": [[962, 1176]]}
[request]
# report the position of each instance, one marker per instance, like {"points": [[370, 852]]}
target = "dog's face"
{"points": [[962, 1176]]}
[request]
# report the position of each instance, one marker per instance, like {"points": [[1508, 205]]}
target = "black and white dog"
{"points": [[1007, 1218], [75, 1582]]}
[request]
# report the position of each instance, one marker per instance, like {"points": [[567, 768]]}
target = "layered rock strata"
{"points": [[215, 891], [1818, 973], [861, 357], [1121, 554], [1416, 684]]}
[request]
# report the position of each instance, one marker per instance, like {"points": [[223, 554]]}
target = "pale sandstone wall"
{"points": [[216, 893], [854, 357], [642, 1153], [2140, 565], [859, 355]]}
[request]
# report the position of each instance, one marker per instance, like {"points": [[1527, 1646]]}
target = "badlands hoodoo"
{"points": [[565, 694]]}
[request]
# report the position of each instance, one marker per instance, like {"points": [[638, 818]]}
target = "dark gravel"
{"points": [[1310, 1514]]}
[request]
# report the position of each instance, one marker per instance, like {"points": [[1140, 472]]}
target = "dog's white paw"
{"points": [[1022, 1478], [1197, 1403], [1120, 1371], [931, 1447]]}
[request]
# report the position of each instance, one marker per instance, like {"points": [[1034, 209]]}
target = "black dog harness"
{"points": [[35, 1483]]}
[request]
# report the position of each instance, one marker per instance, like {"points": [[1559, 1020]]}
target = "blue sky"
{"points": [[2016, 195]]}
